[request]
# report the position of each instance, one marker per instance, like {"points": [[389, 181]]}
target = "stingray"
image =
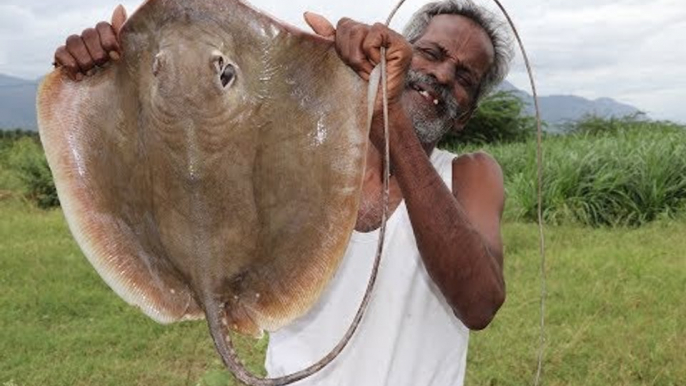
{"points": [[215, 170]]}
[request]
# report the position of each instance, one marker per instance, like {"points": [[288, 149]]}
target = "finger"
{"points": [[364, 75], [359, 62], [92, 40], [77, 49], [108, 39], [320, 25], [349, 37], [64, 59], [355, 54], [118, 18], [374, 41], [343, 21]]}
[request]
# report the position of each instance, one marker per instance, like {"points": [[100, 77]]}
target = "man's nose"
{"points": [[444, 73]]}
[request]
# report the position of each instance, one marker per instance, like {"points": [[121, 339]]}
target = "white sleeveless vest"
{"points": [[409, 336]]}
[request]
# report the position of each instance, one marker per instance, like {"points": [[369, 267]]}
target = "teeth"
{"points": [[426, 95]]}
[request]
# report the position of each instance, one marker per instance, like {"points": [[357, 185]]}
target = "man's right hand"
{"points": [[95, 47]]}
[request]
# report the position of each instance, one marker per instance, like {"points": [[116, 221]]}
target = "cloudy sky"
{"points": [[633, 51]]}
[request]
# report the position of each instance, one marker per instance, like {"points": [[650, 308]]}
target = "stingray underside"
{"points": [[219, 160]]}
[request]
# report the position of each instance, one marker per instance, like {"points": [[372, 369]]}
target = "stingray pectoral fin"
{"points": [[99, 168]]}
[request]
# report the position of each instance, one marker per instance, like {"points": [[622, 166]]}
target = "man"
{"points": [[442, 268]]}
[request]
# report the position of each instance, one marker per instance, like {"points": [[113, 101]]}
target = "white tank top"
{"points": [[409, 335]]}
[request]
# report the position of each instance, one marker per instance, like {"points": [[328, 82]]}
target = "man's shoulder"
{"points": [[477, 162], [479, 173]]}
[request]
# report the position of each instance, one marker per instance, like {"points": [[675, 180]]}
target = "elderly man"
{"points": [[442, 274]]}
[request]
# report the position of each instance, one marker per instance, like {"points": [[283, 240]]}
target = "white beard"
{"points": [[429, 127], [429, 130]]}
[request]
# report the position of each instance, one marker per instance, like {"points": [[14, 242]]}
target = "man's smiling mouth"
{"points": [[429, 96]]}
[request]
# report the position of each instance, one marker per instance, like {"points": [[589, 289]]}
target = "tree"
{"points": [[500, 118]]}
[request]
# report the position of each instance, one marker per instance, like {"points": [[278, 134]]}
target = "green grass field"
{"points": [[624, 177], [616, 313]]}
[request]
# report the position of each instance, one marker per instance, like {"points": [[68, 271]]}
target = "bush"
{"points": [[622, 177], [9, 136], [26, 160], [499, 119]]}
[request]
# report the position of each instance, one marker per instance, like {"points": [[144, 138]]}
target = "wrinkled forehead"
{"points": [[463, 38]]}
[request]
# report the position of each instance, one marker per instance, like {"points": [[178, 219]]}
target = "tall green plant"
{"points": [[500, 118], [627, 176], [27, 160], [596, 125]]}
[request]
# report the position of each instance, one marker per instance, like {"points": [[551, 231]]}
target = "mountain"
{"points": [[18, 96], [17, 103], [559, 109]]}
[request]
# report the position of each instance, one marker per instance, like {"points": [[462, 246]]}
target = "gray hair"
{"points": [[494, 27]]}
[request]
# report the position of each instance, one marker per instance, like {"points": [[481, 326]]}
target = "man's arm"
{"points": [[458, 235]]}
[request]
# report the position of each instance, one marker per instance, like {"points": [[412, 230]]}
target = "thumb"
{"points": [[118, 18], [320, 25]]}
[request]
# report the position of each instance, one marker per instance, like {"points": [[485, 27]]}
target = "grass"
{"points": [[615, 311], [61, 325], [616, 314]]}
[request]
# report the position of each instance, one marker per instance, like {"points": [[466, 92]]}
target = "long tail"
{"points": [[223, 344]]}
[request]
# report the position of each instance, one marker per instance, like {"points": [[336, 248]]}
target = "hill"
{"points": [[17, 103], [559, 109]]}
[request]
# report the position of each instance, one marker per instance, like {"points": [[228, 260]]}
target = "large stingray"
{"points": [[215, 170]]}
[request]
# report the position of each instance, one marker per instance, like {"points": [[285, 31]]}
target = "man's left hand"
{"points": [[359, 46]]}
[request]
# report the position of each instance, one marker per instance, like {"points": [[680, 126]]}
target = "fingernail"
{"points": [[115, 55]]}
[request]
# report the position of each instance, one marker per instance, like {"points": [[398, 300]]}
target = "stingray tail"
{"points": [[224, 346]]}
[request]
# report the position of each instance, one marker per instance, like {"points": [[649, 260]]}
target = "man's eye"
{"points": [[465, 80], [429, 53]]}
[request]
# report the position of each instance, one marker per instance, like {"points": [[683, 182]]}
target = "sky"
{"points": [[632, 51]]}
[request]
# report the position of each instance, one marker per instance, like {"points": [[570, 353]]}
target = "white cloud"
{"points": [[629, 50]]}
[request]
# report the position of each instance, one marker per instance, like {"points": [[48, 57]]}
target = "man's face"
{"points": [[448, 65]]}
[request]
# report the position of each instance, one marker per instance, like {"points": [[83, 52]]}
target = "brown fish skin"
{"points": [[185, 143], [193, 188]]}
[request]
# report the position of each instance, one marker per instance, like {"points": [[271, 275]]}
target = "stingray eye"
{"points": [[228, 75]]}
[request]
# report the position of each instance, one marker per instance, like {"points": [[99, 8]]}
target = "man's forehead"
{"points": [[460, 35]]}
